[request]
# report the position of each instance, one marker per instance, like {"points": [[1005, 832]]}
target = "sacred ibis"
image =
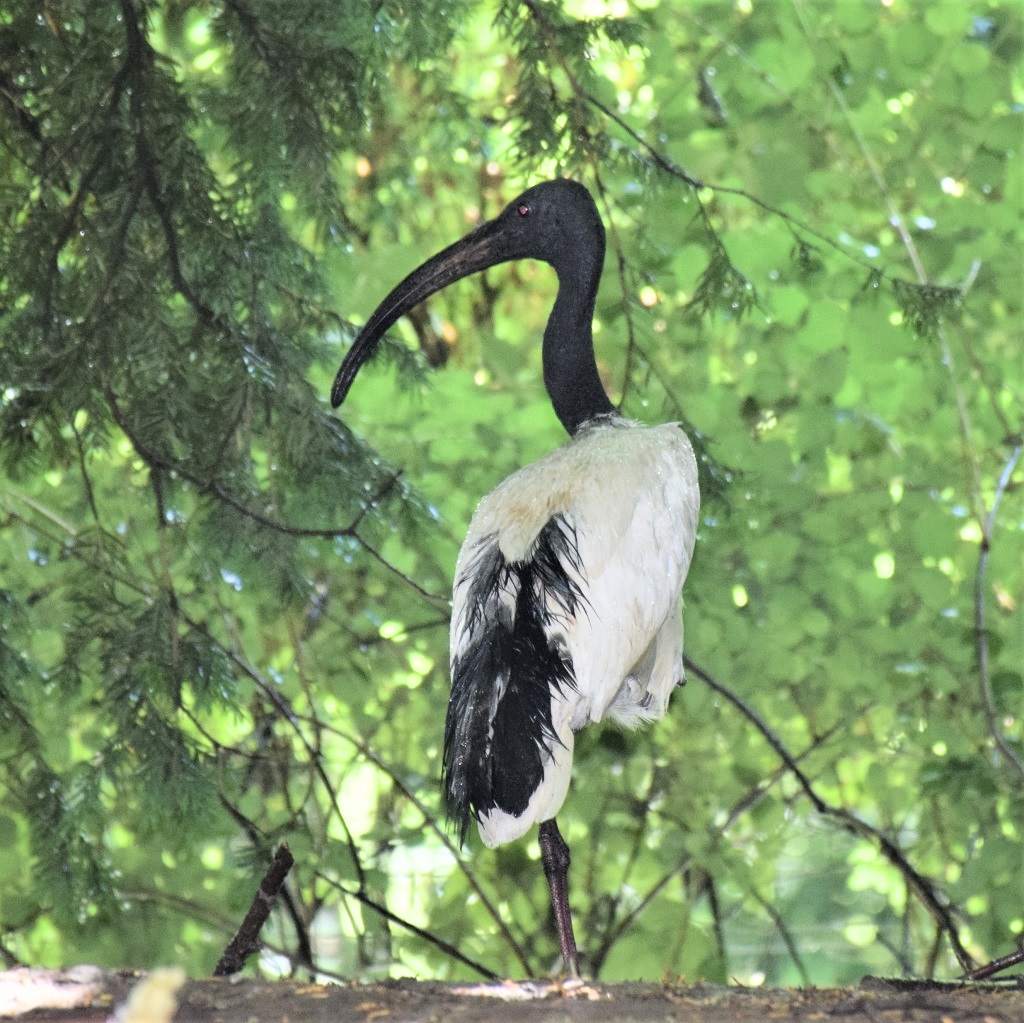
{"points": [[567, 604]]}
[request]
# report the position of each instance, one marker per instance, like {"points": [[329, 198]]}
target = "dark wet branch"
{"points": [[246, 941], [996, 966]]}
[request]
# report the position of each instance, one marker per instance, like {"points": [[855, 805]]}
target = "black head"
{"points": [[555, 221]]}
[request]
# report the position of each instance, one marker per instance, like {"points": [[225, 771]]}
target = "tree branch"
{"points": [[158, 462], [383, 911], [139, 60], [926, 891], [996, 966], [246, 940]]}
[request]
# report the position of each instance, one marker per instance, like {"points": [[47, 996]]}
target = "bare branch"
{"points": [[246, 940], [996, 966], [925, 889], [485, 900], [386, 913]]}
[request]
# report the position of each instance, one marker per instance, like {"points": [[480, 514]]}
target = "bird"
{"points": [[567, 596]]}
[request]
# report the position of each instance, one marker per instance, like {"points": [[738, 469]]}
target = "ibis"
{"points": [[567, 601]]}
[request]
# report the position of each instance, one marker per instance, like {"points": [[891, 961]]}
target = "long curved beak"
{"points": [[484, 247]]}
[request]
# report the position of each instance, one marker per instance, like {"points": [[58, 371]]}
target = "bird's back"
{"points": [[566, 609]]}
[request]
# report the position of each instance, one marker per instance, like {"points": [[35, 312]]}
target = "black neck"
{"points": [[570, 370]]}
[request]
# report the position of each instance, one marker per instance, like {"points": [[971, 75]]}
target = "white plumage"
{"points": [[630, 495]]}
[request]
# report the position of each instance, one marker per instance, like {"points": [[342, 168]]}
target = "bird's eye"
{"points": [[523, 210]]}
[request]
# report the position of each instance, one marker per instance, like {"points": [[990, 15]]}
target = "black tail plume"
{"points": [[499, 731]]}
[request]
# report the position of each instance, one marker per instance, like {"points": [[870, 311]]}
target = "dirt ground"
{"points": [[88, 995]]}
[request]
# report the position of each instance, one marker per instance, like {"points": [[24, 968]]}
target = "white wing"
{"points": [[636, 527]]}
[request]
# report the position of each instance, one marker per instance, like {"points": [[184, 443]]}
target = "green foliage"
{"points": [[223, 608]]}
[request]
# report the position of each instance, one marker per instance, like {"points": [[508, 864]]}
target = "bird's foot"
{"points": [[577, 987]]}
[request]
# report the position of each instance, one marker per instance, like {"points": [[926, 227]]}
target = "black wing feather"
{"points": [[499, 731]]}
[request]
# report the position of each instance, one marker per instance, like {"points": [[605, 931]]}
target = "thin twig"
{"points": [[386, 913], [787, 938], [922, 886], [744, 804], [897, 221], [654, 157], [980, 630], [996, 966], [434, 598], [364, 750]]}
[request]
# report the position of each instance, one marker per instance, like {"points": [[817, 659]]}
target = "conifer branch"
{"points": [[139, 62], [83, 469], [253, 33], [288, 713], [81, 193], [118, 247], [159, 463]]}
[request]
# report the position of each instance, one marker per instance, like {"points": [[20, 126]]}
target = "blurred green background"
{"points": [[223, 607]]}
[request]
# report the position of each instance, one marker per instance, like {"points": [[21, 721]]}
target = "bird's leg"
{"points": [[555, 857]]}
